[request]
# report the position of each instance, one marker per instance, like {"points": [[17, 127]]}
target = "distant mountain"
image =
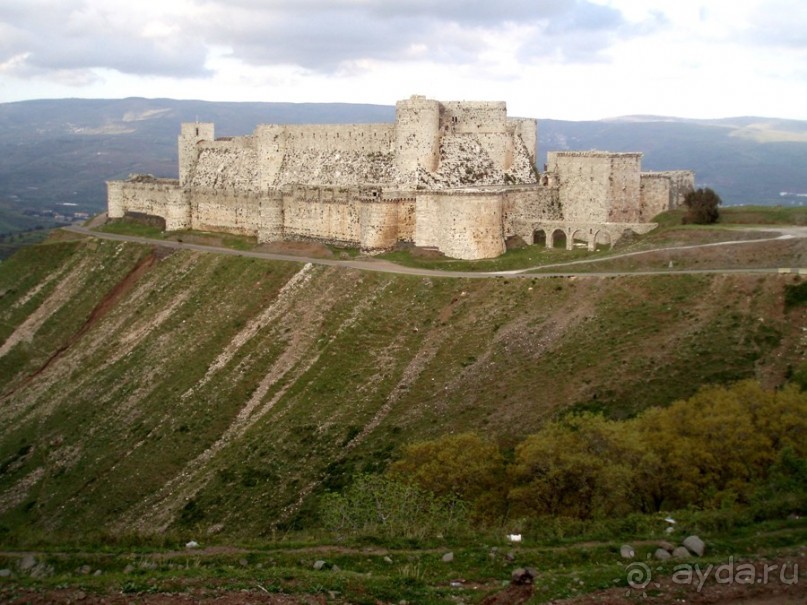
{"points": [[787, 130], [57, 152]]}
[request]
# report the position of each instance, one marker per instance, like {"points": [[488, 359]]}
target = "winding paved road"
{"points": [[383, 266]]}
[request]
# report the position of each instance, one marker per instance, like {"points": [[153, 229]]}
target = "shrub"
{"points": [[385, 507], [701, 207], [583, 466], [721, 447], [795, 295], [458, 467]]}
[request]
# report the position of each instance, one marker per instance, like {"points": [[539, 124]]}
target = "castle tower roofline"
{"points": [[594, 153]]}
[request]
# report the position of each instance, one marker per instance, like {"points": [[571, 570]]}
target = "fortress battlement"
{"points": [[459, 176], [597, 154]]}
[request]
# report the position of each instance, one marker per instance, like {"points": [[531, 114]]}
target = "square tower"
{"points": [[191, 134]]}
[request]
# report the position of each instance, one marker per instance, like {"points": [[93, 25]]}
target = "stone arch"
{"points": [[559, 238], [579, 236], [539, 237], [602, 239]]}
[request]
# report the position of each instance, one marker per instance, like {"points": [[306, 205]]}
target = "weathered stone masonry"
{"points": [[457, 176]]}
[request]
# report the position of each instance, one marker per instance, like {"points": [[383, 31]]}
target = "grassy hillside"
{"points": [[152, 390]]}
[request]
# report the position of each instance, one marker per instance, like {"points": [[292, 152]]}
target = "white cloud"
{"points": [[315, 34], [556, 58], [83, 35]]}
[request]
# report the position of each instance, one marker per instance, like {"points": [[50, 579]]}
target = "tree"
{"points": [[583, 466], [463, 467], [718, 445], [701, 207]]}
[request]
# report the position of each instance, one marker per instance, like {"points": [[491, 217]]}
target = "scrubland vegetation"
{"points": [[740, 447]]}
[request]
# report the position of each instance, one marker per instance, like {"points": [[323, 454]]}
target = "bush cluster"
{"points": [[723, 446], [384, 507]]}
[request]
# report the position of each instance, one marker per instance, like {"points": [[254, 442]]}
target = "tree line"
{"points": [[722, 447]]}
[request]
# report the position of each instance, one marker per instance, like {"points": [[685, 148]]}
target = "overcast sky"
{"points": [[565, 59]]}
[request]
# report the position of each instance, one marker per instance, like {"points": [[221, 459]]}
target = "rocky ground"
{"points": [[793, 591], [786, 586]]}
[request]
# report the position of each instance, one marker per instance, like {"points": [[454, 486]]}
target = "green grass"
{"points": [[671, 218], [342, 251], [126, 226], [11, 242], [740, 215], [531, 256], [107, 424], [763, 215], [354, 573], [208, 238], [131, 227]]}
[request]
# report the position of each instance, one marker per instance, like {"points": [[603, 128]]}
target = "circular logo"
{"points": [[638, 575]]}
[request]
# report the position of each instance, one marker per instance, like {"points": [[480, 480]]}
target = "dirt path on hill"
{"points": [[217, 596], [383, 266], [785, 233]]}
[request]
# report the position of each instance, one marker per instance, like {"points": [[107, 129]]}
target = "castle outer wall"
{"points": [[458, 177]]}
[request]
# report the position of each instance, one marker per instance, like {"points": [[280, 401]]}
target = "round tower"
{"points": [[417, 137]]}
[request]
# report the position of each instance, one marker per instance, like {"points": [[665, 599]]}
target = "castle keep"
{"points": [[456, 176]]}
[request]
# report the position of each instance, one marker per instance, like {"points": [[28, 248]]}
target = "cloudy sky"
{"points": [[565, 59]]}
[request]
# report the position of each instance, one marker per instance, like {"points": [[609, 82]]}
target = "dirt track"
{"points": [[219, 597], [382, 266]]}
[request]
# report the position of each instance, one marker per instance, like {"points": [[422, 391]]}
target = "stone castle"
{"points": [[456, 176]]}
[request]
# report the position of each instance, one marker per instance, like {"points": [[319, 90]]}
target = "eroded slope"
{"points": [[148, 390]]}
